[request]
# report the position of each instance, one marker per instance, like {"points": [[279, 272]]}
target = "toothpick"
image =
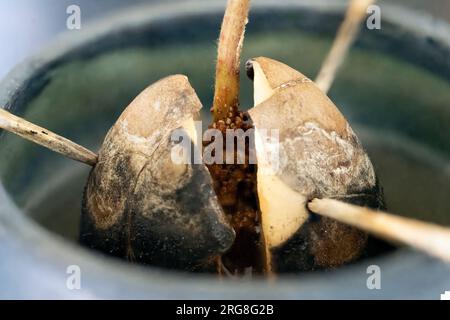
{"points": [[429, 238], [345, 37], [46, 138]]}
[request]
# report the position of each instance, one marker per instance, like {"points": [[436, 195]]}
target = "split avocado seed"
{"points": [[140, 205]]}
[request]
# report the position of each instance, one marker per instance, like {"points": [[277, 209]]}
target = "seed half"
{"points": [[319, 156], [141, 205]]}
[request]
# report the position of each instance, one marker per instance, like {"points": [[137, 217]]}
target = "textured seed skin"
{"points": [[139, 204], [319, 156]]}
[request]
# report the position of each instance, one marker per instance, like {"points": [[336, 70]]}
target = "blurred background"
{"points": [[26, 26]]}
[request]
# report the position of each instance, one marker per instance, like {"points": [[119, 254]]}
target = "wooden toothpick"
{"points": [[346, 35], [46, 138], [429, 238]]}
